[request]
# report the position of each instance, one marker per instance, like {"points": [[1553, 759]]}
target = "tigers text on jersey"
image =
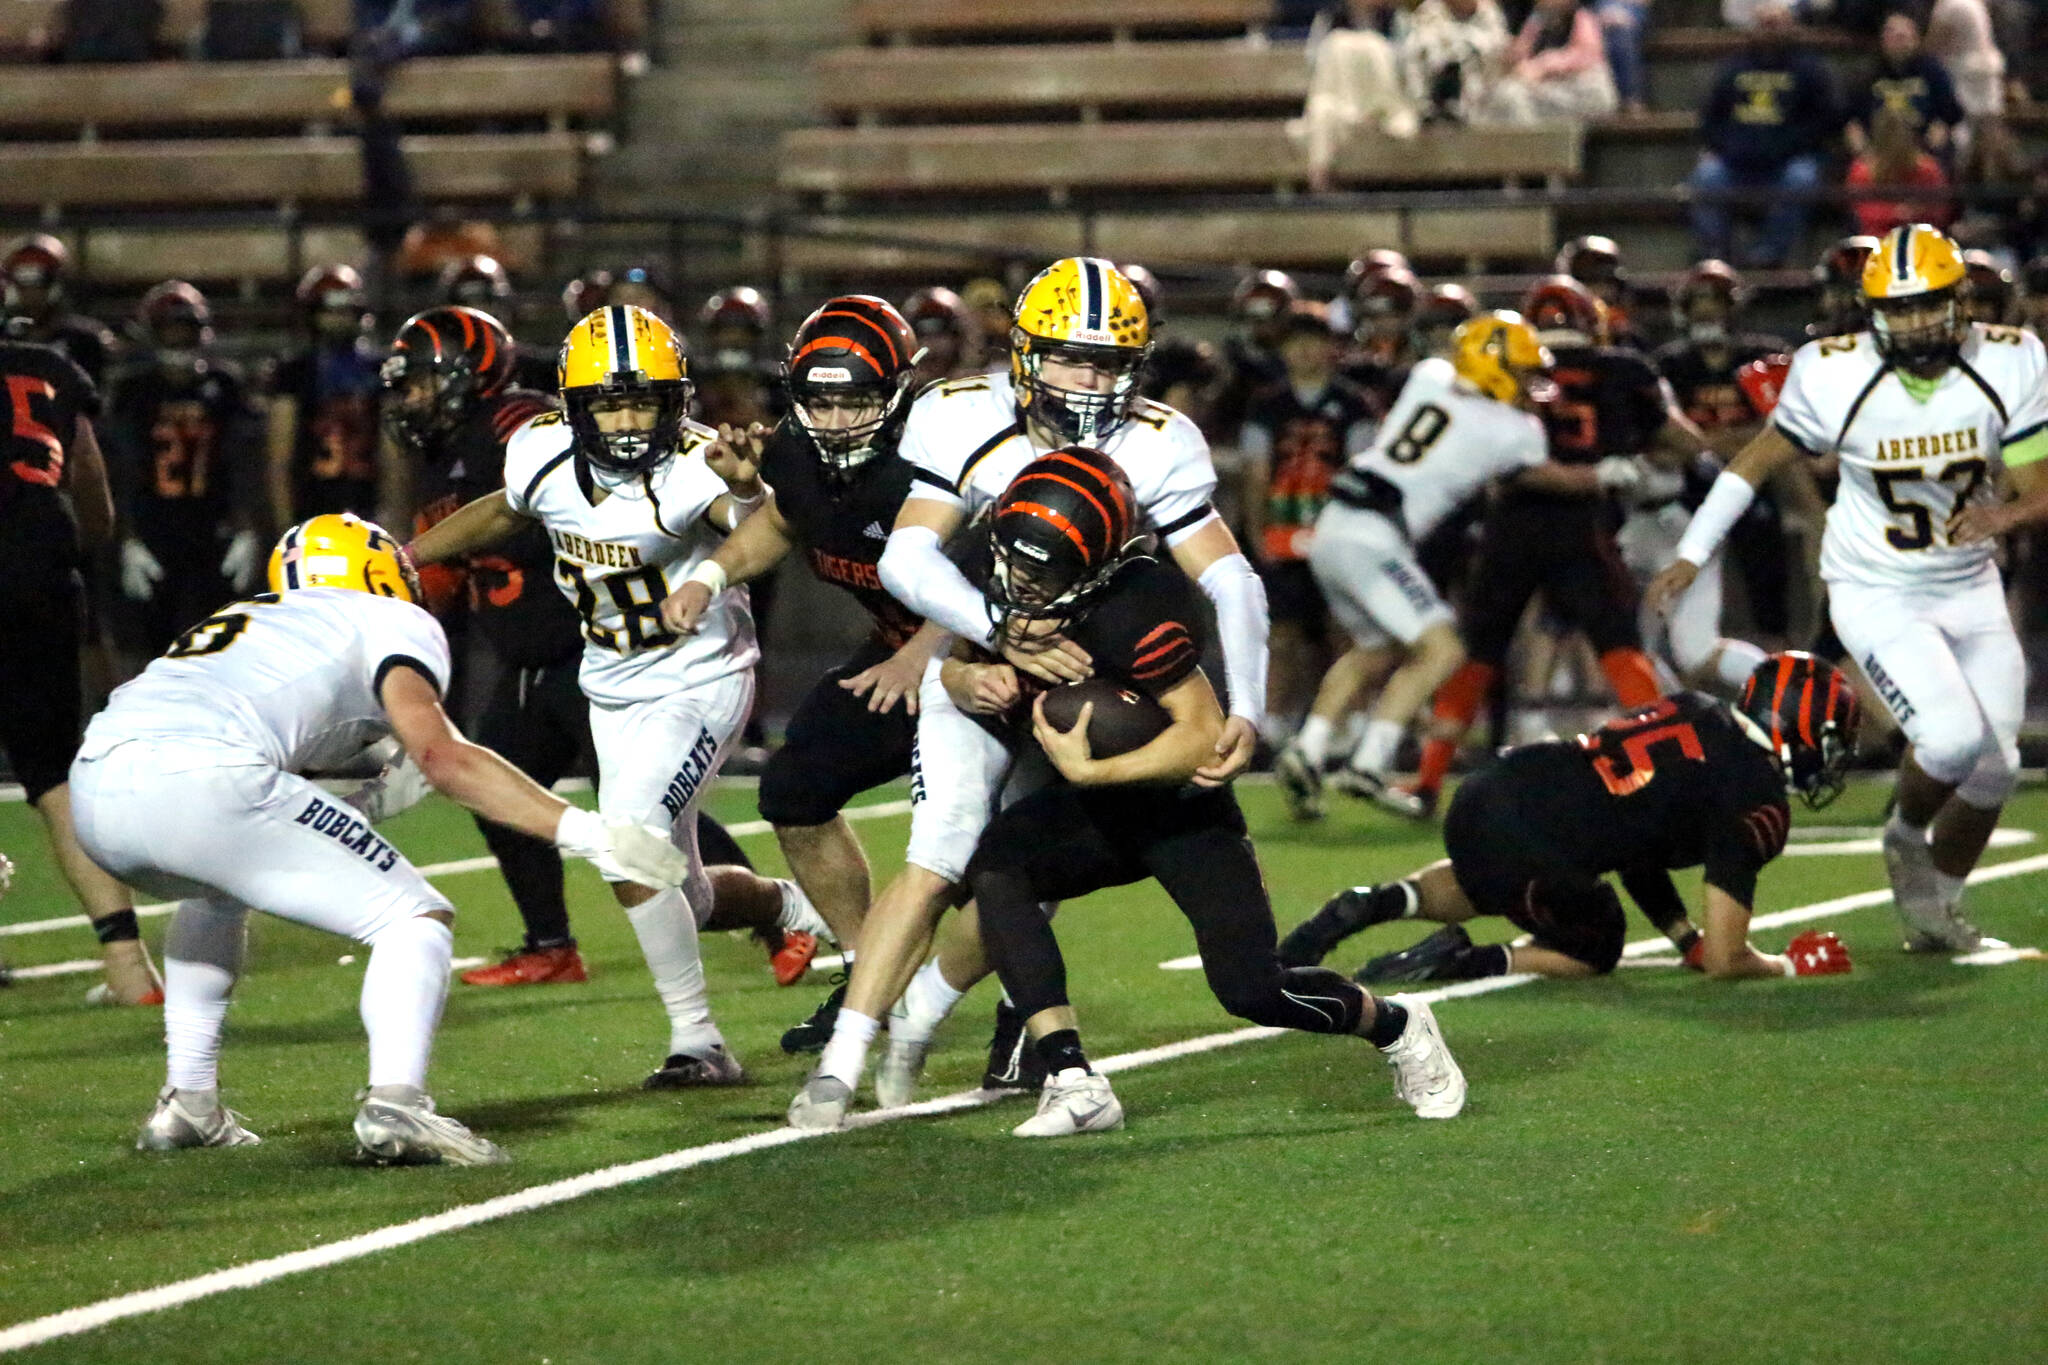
{"points": [[618, 553], [967, 442], [1442, 442], [292, 676], [1911, 461]]}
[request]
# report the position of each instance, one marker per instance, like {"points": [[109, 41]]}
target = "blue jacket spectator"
{"points": [[1910, 81]]}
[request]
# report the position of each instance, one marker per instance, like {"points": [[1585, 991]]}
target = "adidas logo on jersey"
{"points": [[874, 531]]}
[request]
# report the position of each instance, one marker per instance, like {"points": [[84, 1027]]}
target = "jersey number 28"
{"points": [[641, 615]]}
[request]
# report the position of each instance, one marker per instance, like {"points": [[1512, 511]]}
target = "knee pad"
{"points": [[1990, 784], [790, 796], [209, 932]]}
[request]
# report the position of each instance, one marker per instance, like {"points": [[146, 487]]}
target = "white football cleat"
{"points": [[1426, 1076], [1073, 1101], [176, 1123], [822, 1104], [897, 1077], [407, 1132], [1916, 895]]}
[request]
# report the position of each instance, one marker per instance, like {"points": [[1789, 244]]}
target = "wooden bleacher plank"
{"points": [[155, 94], [201, 171], [1181, 154], [1161, 75], [964, 18], [137, 256], [1716, 43]]}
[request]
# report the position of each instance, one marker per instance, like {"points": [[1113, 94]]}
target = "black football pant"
{"points": [[1568, 552], [1067, 841], [40, 699]]}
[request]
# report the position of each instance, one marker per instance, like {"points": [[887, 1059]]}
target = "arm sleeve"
{"points": [[1742, 842], [1244, 626], [401, 634], [916, 572]]}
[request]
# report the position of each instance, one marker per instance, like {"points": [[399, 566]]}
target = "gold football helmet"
{"points": [[1914, 282], [624, 356], [341, 550], [1079, 311], [1499, 354]]}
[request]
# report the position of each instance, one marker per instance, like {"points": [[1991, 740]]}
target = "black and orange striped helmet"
{"points": [[1558, 304], [468, 356], [1810, 714], [853, 355], [1059, 532]]}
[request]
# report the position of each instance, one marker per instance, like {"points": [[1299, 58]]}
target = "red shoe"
{"points": [[793, 958], [532, 967]]}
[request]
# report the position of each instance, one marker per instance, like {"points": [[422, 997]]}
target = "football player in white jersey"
{"points": [[1079, 341], [1457, 425], [1925, 410], [188, 785], [634, 495]]}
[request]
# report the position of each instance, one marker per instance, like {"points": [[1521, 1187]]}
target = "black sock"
{"points": [[542, 945], [1389, 1021], [1488, 959], [119, 927], [1061, 1051]]}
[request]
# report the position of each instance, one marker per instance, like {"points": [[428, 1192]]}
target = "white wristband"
{"points": [[1726, 501], [580, 832], [711, 574]]}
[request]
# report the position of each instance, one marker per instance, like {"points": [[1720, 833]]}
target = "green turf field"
{"points": [[1650, 1167]]}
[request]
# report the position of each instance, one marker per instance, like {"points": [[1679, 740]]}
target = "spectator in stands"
{"points": [[1747, 13], [1959, 37], [1451, 54], [1767, 119], [1894, 159], [1621, 27], [1911, 82], [1556, 69], [1354, 82]]}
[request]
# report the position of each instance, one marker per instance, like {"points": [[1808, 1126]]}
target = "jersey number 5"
{"points": [[1963, 478], [1632, 737]]}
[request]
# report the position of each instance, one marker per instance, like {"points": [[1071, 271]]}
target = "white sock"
{"points": [[1354, 730], [1735, 660], [846, 1053], [926, 1003], [668, 940], [1376, 750], [798, 913], [1951, 888], [403, 987], [1314, 741], [195, 1004]]}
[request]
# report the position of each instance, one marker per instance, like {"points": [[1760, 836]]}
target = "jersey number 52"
{"points": [[1963, 477]]}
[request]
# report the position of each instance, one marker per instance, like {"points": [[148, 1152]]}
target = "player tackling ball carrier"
{"points": [[1923, 409], [188, 785]]}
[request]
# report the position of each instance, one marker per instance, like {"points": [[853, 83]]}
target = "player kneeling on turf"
{"points": [[1062, 561], [188, 786], [1683, 782]]}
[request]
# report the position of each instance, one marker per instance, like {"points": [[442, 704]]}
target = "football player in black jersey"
{"points": [[1839, 305], [835, 483], [1688, 781], [32, 272], [1610, 401], [1060, 559], [55, 505], [326, 448], [185, 453]]}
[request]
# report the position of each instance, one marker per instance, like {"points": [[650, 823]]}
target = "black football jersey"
{"points": [[1610, 401], [1674, 784], [183, 450], [46, 395], [509, 588], [842, 527], [80, 339], [335, 392], [1310, 444], [1702, 376]]}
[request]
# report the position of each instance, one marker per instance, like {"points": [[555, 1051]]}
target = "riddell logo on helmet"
{"points": [[1025, 547], [829, 374]]}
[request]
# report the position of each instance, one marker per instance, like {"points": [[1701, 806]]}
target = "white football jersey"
{"points": [[1443, 441], [618, 555], [291, 676], [965, 442], [1910, 463]]}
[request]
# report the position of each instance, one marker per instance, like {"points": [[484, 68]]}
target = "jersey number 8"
{"points": [[1424, 427]]}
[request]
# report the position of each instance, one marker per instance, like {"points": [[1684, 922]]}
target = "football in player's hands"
{"points": [[1123, 720], [1817, 954]]}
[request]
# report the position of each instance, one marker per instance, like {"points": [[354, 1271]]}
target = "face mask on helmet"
{"points": [[1919, 330], [1048, 372], [1806, 713], [1041, 583], [631, 432], [424, 402], [848, 424]]}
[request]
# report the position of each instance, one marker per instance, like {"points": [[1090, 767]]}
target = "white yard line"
{"points": [[253, 1273], [744, 829]]}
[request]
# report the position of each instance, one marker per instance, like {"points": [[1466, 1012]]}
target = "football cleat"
{"points": [[822, 1104], [1013, 1064], [175, 1124], [1426, 1076], [1365, 786], [1300, 783], [813, 1033], [1344, 914], [531, 967], [896, 1078], [793, 959], [1426, 795], [407, 1132], [688, 1071], [1426, 961], [1930, 925], [1074, 1101]]}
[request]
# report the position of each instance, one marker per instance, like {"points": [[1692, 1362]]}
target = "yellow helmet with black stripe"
{"points": [[1497, 353], [622, 357], [341, 550], [1084, 316], [1913, 282]]}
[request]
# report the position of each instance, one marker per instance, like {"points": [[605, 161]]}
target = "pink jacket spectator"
{"points": [[1879, 216]]}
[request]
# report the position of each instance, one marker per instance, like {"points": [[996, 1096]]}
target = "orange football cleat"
{"points": [[532, 967], [793, 958]]}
